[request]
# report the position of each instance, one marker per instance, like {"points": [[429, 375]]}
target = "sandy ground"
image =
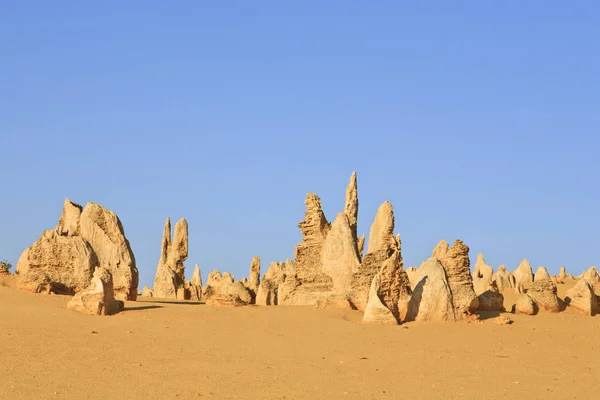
{"points": [[162, 350]]}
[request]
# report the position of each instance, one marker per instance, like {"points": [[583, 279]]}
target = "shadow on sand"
{"points": [[141, 308]]}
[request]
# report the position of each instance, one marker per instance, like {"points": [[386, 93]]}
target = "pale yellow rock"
{"points": [[582, 298], [592, 276], [194, 286], [340, 258], [361, 245], [146, 292], [254, 274], [68, 223], [382, 230], [222, 289], [99, 297], [524, 305], [375, 311], [56, 264], [543, 293], [103, 230], [491, 299], [504, 279], [523, 274], [351, 206], [169, 281], [541, 273], [482, 275], [268, 291], [431, 298], [456, 263]]}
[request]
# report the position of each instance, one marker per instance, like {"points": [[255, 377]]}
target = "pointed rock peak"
{"points": [[351, 207], [360, 244], [197, 276], [541, 273], [68, 223], [167, 231], [563, 272], [255, 273], [382, 230], [480, 258], [524, 264], [314, 219], [441, 249], [502, 268], [180, 238]]}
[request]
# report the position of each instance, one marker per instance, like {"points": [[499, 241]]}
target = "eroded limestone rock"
{"points": [[582, 298], [523, 275], [99, 297], [482, 275], [456, 263], [169, 282], [431, 298], [541, 273], [504, 279]]}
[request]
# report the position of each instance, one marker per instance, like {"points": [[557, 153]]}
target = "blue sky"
{"points": [[475, 120]]}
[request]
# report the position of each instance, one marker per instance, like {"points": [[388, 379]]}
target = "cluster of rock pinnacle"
{"points": [[88, 255]]}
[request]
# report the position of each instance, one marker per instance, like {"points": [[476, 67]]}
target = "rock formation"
{"points": [[482, 275], [223, 289], [147, 292], [541, 273], [169, 282], [541, 296], [99, 297], [63, 260], [103, 230], [254, 275], [523, 274], [194, 286], [390, 290], [592, 276], [268, 293], [351, 208], [383, 245], [456, 263], [431, 298], [582, 298], [504, 279], [491, 299]]}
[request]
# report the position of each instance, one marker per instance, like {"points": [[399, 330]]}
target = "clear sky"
{"points": [[477, 121]]}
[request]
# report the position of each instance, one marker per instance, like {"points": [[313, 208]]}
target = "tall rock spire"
{"points": [[351, 207]]}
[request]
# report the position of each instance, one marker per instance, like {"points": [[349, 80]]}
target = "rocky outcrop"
{"points": [[541, 273], [390, 289], [99, 297], [254, 282], [504, 279], [482, 275], [147, 292], [169, 282], [525, 305], [63, 260], [361, 246], [542, 294], [592, 277], [103, 230], [383, 245], [491, 299], [223, 289], [582, 298], [523, 275], [456, 263], [194, 286], [431, 298], [269, 292], [340, 259], [351, 208]]}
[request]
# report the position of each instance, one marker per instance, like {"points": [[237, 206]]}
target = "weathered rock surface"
{"points": [[541, 273], [375, 311], [504, 279], [269, 290], [170, 272], [340, 259], [103, 230], [63, 260], [456, 263], [482, 275], [194, 286], [223, 289], [351, 208], [523, 274], [525, 305], [99, 297], [543, 295], [383, 245], [56, 264], [431, 298], [147, 292], [592, 276], [390, 289], [582, 298], [491, 299], [254, 274], [361, 245]]}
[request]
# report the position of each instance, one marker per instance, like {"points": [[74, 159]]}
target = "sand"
{"points": [[167, 350]]}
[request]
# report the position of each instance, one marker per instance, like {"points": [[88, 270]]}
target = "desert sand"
{"points": [[182, 349]]}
